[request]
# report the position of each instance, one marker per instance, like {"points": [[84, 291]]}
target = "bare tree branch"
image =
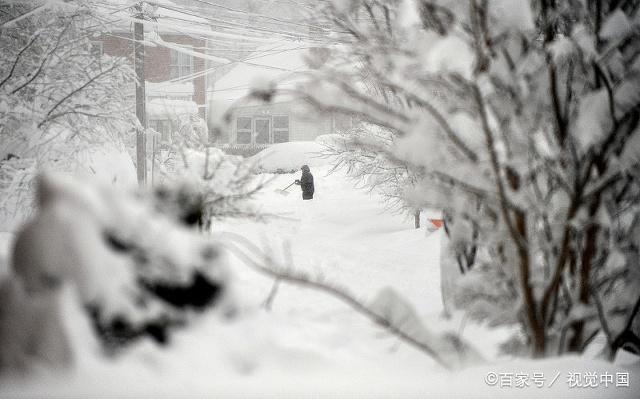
{"points": [[341, 294]]}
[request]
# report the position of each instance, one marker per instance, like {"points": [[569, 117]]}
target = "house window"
{"points": [[280, 129], [243, 130], [181, 63], [263, 130]]}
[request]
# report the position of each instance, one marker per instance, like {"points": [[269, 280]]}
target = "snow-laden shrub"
{"points": [[208, 185], [16, 181], [243, 150], [135, 273], [184, 126], [521, 120], [365, 153]]}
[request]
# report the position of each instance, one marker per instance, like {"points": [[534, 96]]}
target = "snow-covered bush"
{"points": [[207, 185], [243, 150], [520, 119], [181, 124], [366, 153], [133, 272], [57, 98]]}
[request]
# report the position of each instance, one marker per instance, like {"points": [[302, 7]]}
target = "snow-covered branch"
{"points": [[527, 145], [387, 311]]}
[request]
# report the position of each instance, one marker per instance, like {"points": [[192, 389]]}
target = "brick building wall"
{"points": [[158, 59]]}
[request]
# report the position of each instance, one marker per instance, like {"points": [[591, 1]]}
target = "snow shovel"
{"points": [[284, 190]]}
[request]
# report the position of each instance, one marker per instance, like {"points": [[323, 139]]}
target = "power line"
{"points": [[231, 25], [256, 15]]}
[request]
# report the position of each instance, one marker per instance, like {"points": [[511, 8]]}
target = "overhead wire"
{"points": [[232, 28], [230, 9]]}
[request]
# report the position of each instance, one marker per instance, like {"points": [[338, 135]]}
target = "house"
{"points": [[287, 117], [174, 60]]}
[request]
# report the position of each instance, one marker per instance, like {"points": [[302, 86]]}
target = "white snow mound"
{"points": [[289, 157]]}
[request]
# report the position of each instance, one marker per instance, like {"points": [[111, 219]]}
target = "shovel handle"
{"points": [[289, 186]]}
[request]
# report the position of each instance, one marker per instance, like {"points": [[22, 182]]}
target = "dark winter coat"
{"points": [[306, 183]]}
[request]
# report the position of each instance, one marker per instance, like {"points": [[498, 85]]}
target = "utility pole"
{"points": [[141, 109]]}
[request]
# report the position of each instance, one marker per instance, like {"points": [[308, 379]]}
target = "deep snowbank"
{"points": [[289, 157]]}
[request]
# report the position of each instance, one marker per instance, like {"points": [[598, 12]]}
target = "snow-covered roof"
{"points": [[282, 63], [161, 89], [161, 108]]}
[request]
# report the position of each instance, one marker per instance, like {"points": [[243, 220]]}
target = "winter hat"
{"points": [[305, 168]]}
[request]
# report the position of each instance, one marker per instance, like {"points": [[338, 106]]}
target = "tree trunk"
{"points": [[589, 252], [535, 323], [449, 273]]}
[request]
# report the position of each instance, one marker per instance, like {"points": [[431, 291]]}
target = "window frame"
{"points": [[275, 130], [269, 138], [244, 130], [176, 63], [272, 134]]}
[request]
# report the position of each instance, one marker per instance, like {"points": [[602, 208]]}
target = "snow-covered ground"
{"points": [[310, 344]]}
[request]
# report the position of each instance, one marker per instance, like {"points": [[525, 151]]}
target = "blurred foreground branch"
{"points": [[448, 351]]}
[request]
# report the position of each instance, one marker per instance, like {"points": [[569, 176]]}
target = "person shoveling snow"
{"points": [[306, 183]]}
